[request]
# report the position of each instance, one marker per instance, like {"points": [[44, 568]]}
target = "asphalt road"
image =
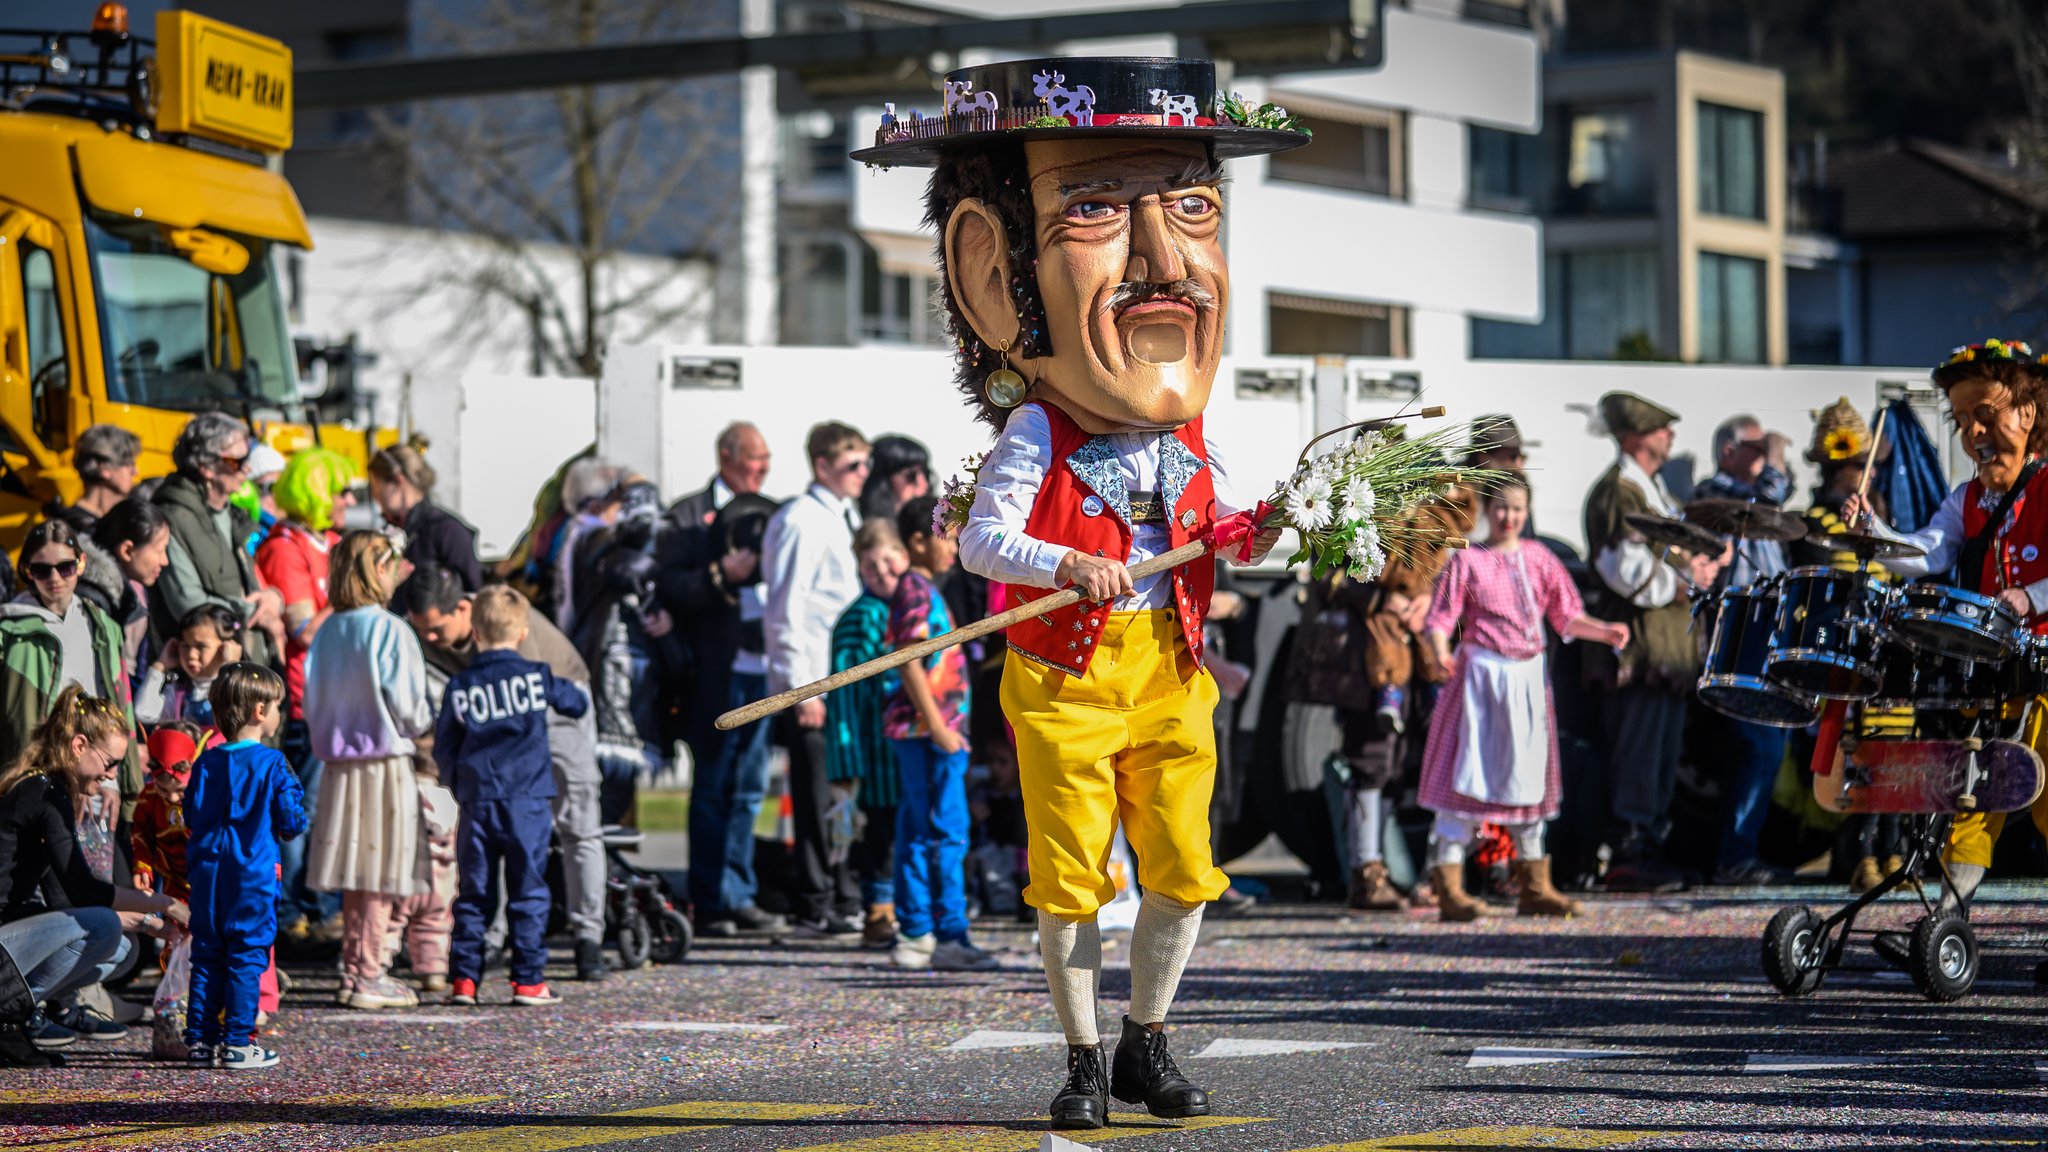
{"points": [[1644, 1024]]}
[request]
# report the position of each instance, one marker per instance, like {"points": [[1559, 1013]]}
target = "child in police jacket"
{"points": [[242, 798], [492, 746]]}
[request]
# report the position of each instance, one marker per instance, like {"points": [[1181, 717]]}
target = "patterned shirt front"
{"points": [[919, 612]]}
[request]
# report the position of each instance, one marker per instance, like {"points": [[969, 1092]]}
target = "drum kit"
{"points": [[1781, 646]]}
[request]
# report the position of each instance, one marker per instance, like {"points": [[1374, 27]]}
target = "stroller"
{"points": [[644, 917]]}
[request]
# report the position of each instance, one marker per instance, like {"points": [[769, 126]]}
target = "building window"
{"points": [[1602, 167], [897, 307], [1596, 306], [1731, 161], [1508, 173], [1359, 149], [1318, 326], [1731, 309]]}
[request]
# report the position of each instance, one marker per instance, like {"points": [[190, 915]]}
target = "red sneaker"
{"points": [[534, 995], [463, 992]]}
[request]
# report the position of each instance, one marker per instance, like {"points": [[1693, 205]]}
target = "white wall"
{"points": [[495, 439], [408, 295]]}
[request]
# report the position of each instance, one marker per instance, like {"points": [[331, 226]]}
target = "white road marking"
{"points": [[1517, 1057], [1255, 1047], [2041, 1071], [406, 1017], [997, 1039], [697, 1026], [1778, 1063], [1053, 1142]]}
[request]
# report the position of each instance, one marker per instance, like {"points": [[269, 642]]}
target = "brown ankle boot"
{"points": [[880, 929], [1371, 891], [1539, 897], [1452, 904], [1865, 876]]}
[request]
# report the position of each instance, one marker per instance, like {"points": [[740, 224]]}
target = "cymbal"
{"points": [[1669, 533], [1866, 546], [1745, 519]]}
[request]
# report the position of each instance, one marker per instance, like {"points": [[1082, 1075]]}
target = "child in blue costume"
{"points": [[242, 799], [492, 745]]}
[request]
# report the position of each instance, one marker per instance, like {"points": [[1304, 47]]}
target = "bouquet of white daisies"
{"points": [[1355, 506]]}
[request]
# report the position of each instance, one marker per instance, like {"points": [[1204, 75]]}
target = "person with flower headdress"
{"points": [[1990, 533], [1079, 207]]}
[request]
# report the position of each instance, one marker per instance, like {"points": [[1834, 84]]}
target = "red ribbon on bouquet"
{"points": [[1241, 528]]}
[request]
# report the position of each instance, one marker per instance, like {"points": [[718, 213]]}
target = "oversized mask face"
{"points": [[1995, 429], [1131, 272]]}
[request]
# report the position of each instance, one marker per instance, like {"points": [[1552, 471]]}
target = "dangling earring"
{"points": [[1004, 388]]}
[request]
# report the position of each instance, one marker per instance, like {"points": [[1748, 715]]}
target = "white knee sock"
{"points": [[1528, 839], [1073, 968], [1365, 826], [1967, 877], [1161, 943], [1449, 839]]}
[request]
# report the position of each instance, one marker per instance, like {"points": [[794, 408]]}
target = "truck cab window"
{"points": [[49, 368]]}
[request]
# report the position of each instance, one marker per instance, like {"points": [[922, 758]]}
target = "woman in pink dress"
{"points": [[1492, 751]]}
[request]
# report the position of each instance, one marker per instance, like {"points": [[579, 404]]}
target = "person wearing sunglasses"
{"points": [[51, 637], [208, 563]]}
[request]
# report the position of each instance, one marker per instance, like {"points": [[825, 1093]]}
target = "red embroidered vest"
{"points": [[1083, 504], [2018, 555]]}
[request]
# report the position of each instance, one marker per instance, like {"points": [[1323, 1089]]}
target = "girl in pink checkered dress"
{"points": [[1492, 751]]}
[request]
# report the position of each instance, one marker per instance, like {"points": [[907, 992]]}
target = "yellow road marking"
{"points": [[616, 1127], [1499, 1137], [148, 1134], [967, 1138]]}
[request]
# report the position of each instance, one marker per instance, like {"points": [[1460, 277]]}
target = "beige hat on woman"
{"points": [[1840, 435]]}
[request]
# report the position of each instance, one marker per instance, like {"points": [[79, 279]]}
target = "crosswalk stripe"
{"points": [[1252, 1046], [968, 1138], [1498, 1137], [158, 1132], [1517, 1057], [697, 1026], [614, 1127], [1776, 1063], [987, 1038]]}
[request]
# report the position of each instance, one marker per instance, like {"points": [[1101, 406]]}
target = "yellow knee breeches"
{"points": [[1132, 740], [1972, 835]]}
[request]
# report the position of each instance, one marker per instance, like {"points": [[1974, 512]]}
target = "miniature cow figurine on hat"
{"points": [[1171, 106], [1077, 102], [962, 98]]}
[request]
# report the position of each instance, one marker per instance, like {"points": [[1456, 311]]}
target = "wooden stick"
{"points": [[1876, 439], [761, 709]]}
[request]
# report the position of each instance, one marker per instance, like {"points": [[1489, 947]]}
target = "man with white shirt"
{"points": [[1646, 589], [1086, 287], [810, 575]]}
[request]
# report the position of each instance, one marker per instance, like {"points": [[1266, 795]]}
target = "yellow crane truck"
{"points": [[141, 214]]}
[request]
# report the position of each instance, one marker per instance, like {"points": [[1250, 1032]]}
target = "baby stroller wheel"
{"points": [[634, 938], [672, 937], [1944, 957], [1792, 951]]}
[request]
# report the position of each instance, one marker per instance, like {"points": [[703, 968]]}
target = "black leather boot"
{"points": [[591, 965], [1083, 1102], [1144, 1073]]}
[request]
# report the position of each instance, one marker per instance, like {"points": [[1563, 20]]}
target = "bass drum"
{"points": [[1925, 682], [1828, 634], [1733, 682]]}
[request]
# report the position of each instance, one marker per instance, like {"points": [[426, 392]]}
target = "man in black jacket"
{"points": [[710, 584]]}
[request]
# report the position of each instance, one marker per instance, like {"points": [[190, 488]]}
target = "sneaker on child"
{"points": [[463, 992], [960, 956], [535, 995], [914, 953], [201, 1056], [247, 1057], [383, 992]]}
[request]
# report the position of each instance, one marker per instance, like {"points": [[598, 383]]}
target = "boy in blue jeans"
{"points": [[925, 722], [492, 745], [242, 798]]}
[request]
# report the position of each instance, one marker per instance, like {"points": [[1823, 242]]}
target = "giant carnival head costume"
{"points": [[1998, 397], [1079, 209]]}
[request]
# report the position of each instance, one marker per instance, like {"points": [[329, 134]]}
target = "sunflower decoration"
{"points": [[1840, 434]]}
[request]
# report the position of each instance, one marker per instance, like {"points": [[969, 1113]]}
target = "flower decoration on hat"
{"points": [[1842, 444]]}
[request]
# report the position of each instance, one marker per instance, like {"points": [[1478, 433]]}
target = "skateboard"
{"points": [[1929, 776]]}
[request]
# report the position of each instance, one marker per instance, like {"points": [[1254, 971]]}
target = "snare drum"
{"points": [[1740, 643], [1955, 623], [1828, 634]]}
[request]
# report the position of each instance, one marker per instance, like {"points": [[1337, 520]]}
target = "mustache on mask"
{"points": [[1186, 291]]}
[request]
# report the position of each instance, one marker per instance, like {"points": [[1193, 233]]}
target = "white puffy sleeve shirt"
{"points": [[994, 544]]}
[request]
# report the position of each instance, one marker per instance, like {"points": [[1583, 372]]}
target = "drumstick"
{"points": [[1877, 438]]}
